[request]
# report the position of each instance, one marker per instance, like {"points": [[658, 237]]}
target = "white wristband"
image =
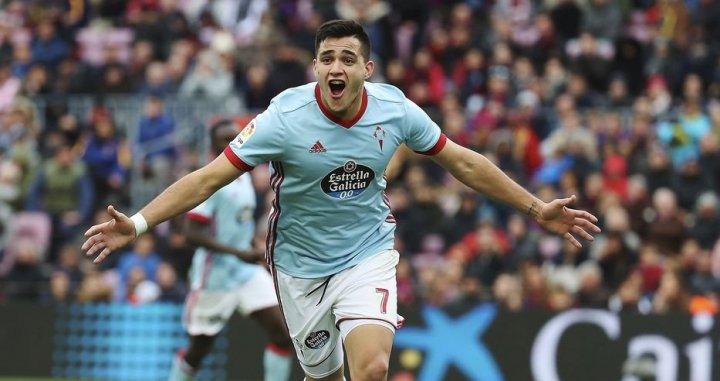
{"points": [[140, 223]]}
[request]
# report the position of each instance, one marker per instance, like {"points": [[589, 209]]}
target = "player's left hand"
{"points": [[556, 217]]}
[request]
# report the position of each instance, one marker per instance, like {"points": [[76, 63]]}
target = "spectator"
{"points": [[658, 95], [483, 252], [660, 171], [208, 78], [9, 87], [710, 160], [71, 263], [60, 288], [28, 276], [689, 183], [534, 286], [523, 241], [405, 283], [703, 281], [671, 296], [22, 60], [650, 268], [114, 80], [706, 227], [156, 81], [683, 135], [154, 147], [666, 228], [139, 289], [139, 264], [94, 288], [143, 53], [425, 70], [106, 156], [570, 132], [602, 18], [615, 176], [592, 59], [241, 17], [637, 203], [63, 189], [259, 92], [629, 298], [48, 48], [287, 69], [567, 18], [507, 291], [170, 289], [591, 293]]}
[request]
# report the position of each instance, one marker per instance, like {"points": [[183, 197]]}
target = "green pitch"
{"points": [[45, 379], [35, 379]]}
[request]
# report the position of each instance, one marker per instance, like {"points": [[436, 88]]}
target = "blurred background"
{"points": [[615, 101]]}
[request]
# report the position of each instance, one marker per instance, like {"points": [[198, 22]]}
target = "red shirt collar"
{"points": [[345, 123]]}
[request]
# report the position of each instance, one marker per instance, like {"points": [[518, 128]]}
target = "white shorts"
{"points": [[321, 312], [207, 311]]}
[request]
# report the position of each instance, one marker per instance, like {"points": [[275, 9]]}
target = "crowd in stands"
{"points": [[614, 101]]}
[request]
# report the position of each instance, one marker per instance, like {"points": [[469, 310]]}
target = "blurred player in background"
{"points": [[224, 276], [330, 232]]}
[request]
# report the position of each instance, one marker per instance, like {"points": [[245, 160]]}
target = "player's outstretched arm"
{"points": [[183, 195], [480, 174], [197, 234]]}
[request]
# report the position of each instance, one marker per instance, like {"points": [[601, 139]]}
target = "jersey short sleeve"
{"points": [[203, 212], [260, 141], [423, 135]]}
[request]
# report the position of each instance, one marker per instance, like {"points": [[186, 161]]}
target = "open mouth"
{"points": [[337, 87]]}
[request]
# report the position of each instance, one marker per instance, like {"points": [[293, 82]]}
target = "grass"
{"points": [[38, 379], [35, 379]]}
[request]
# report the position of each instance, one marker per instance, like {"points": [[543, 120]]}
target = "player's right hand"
{"points": [[109, 236]]}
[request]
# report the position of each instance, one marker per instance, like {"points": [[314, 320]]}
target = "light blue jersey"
{"points": [[229, 212], [330, 210]]}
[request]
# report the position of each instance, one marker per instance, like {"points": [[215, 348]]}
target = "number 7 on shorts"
{"points": [[385, 294]]}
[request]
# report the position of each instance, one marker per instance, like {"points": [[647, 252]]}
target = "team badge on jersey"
{"points": [[347, 181], [246, 132], [379, 135]]}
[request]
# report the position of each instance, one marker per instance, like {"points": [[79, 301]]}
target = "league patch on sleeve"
{"points": [[246, 133]]}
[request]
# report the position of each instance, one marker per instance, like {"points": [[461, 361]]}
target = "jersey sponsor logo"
{"points": [[347, 181], [317, 148], [379, 135], [246, 132], [317, 339]]}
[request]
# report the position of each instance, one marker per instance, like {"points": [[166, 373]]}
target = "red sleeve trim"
{"points": [[198, 217], [442, 140], [236, 161]]}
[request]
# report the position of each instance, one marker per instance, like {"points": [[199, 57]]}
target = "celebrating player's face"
{"points": [[341, 71]]}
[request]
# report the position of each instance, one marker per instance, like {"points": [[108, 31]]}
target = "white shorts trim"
{"points": [[346, 326]]}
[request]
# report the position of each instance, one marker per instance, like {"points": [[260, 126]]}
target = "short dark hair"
{"points": [[343, 28]]}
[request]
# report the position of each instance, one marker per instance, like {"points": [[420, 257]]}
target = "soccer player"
{"points": [[330, 232], [223, 276]]}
